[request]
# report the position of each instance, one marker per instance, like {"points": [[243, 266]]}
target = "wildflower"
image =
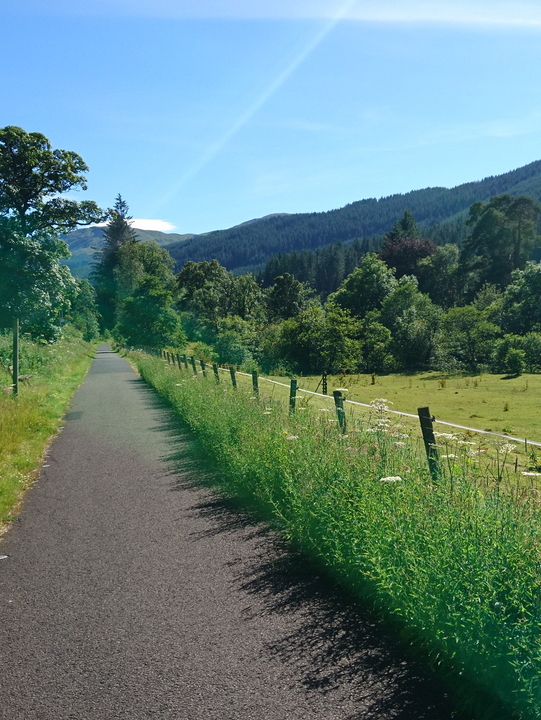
{"points": [[267, 412], [391, 479], [324, 410], [531, 474], [449, 457], [399, 443], [380, 404], [292, 437], [445, 436], [507, 447], [476, 453]]}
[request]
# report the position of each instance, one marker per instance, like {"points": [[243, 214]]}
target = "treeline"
{"points": [[413, 306]]}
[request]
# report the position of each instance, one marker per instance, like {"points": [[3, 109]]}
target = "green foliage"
{"points": [[366, 288], [28, 423], [147, 318], [321, 339], [503, 234], [456, 564], [34, 286], [84, 313], [413, 320], [466, 336], [117, 234], [287, 297], [514, 361]]}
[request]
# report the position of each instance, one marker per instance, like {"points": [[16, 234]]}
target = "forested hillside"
{"points": [[252, 245]]}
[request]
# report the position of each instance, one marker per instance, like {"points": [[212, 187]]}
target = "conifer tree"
{"points": [[117, 234]]}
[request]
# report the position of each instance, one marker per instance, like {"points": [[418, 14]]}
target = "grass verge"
{"points": [[455, 565], [28, 422]]}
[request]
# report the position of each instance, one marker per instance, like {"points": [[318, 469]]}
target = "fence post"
{"points": [[324, 386], [340, 412], [15, 359], [255, 383], [185, 361], [429, 439], [178, 362], [194, 366], [203, 368], [216, 372], [293, 396], [168, 357], [233, 374]]}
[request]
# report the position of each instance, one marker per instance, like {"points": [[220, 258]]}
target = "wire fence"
{"points": [[424, 417]]}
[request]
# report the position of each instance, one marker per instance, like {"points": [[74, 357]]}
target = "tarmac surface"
{"points": [[130, 590]]}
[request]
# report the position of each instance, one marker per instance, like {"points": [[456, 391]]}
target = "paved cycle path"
{"points": [[130, 591]]}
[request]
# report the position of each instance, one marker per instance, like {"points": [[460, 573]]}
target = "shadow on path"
{"points": [[327, 639]]}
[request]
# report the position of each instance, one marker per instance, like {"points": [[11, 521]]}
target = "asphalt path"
{"points": [[131, 590]]}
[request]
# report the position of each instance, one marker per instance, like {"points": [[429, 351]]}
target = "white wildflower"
{"points": [[445, 436], [449, 457], [292, 437], [507, 448], [400, 444], [391, 479], [531, 474]]}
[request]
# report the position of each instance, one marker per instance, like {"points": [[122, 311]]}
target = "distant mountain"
{"points": [[85, 242], [249, 245]]}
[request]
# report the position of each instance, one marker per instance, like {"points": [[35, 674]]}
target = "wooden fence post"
{"points": [[429, 439], [203, 367], [194, 366], [324, 386], [179, 362], [293, 396], [15, 358], [255, 383], [340, 412], [185, 361], [233, 374], [216, 372]]}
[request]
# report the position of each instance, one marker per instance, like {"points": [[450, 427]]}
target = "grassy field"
{"points": [[485, 402], [28, 422], [455, 564]]}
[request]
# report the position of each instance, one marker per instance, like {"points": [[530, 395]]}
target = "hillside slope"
{"points": [[252, 245]]}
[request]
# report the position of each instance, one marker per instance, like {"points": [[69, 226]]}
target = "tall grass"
{"points": [[455, 564], [29, 421]]}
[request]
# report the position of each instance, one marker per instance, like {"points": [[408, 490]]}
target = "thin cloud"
{"points": [[149, 224], [245, 117], [480, 13]]}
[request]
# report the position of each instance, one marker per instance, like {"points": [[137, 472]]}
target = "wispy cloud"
{"points": [[216, 147], [149, 224], [485, 13]]}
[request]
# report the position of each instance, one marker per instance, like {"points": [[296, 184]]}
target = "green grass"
{"points": [[485, 402], [28, 422], [456, 565]]}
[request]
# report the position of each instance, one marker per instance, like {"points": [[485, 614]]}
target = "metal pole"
{"points": [[15, 360]]}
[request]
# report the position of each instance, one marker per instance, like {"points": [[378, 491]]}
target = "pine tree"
{"points": [[118, 233]]}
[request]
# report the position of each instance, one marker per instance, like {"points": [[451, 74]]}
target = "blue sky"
{"points": [[206, 114]]}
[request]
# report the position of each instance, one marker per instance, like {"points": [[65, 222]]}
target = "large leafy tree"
{"points": [[34, 286], [502, 236], [367, 286]]}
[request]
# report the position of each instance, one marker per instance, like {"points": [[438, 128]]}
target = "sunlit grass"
{"points": [[29, 421], [455, 563]]}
